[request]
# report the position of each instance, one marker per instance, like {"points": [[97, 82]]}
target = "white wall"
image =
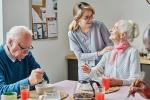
{"points": [[1, 22], [51, 52], [15, 12]]}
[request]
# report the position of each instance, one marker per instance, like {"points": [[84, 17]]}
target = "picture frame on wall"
{"points": [[44, 19], [52, 26], [39, 31]]}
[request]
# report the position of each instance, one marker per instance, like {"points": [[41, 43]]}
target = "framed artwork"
{"points": [[39, 31], [52, 26], [44, 19]]}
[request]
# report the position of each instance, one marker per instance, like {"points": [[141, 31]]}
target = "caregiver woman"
{"points": [[88, 38]]}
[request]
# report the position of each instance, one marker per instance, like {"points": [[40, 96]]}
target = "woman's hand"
{"points": [[115, 82], [137, 86], [86, 68], [106, 49]]}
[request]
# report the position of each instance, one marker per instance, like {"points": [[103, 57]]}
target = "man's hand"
{"points": [[86, 68], [36, 76]]}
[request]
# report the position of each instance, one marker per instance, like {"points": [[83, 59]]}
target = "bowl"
{"points": [[40, 88]]}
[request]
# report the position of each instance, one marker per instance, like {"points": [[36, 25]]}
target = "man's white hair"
{"points": [[129, 27], [16, 31]]}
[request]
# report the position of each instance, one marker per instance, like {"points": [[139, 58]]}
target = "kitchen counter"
{"points": [[71, 56], [142, 59]]}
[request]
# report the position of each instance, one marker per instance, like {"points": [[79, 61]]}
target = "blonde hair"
{"points": [[129, 27], [78, 10]]}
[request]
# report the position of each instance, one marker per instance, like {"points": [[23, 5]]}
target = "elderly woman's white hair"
{"points": [[16, 31], [129, 27]]}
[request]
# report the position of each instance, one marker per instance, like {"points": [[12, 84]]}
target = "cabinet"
{"points": [[72, 67], [146, 69], [145, 66]]}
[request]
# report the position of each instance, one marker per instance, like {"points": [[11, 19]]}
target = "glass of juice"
{"points": [[99, 96], [105, 83], [24, 91]]}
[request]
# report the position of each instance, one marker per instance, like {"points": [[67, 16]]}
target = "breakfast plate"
{"points": [[34, 95], [112, 89]]}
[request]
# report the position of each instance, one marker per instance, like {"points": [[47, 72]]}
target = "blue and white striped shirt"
{"points": [[86, 45]]}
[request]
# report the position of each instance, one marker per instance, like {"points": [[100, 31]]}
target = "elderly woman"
{"points": [[122, 63]]}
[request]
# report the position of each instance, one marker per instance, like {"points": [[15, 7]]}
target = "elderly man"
{"points": [[17, 65]]}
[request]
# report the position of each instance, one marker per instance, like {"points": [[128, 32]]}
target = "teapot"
{"points": [[85, 90]]}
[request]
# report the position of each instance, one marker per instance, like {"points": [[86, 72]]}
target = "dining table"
{"points": [[70, 87]]}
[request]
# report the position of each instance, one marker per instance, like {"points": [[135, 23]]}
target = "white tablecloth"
{"points": [[70, 86]]}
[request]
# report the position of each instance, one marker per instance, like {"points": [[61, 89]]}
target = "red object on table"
{"points": [[106, 83], [99, 96], [24, 94]]}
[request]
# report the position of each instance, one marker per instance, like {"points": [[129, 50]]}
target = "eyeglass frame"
{"points": [[25, 49]]}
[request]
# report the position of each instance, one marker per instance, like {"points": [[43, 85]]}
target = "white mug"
{"points": [[9, 96], [54, 95]]}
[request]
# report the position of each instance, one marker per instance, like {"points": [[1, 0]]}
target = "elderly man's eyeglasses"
{"points": [[25, 49]]}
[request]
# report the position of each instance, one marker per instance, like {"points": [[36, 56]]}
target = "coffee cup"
{"points": [[40, 88], [9, 96]]}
